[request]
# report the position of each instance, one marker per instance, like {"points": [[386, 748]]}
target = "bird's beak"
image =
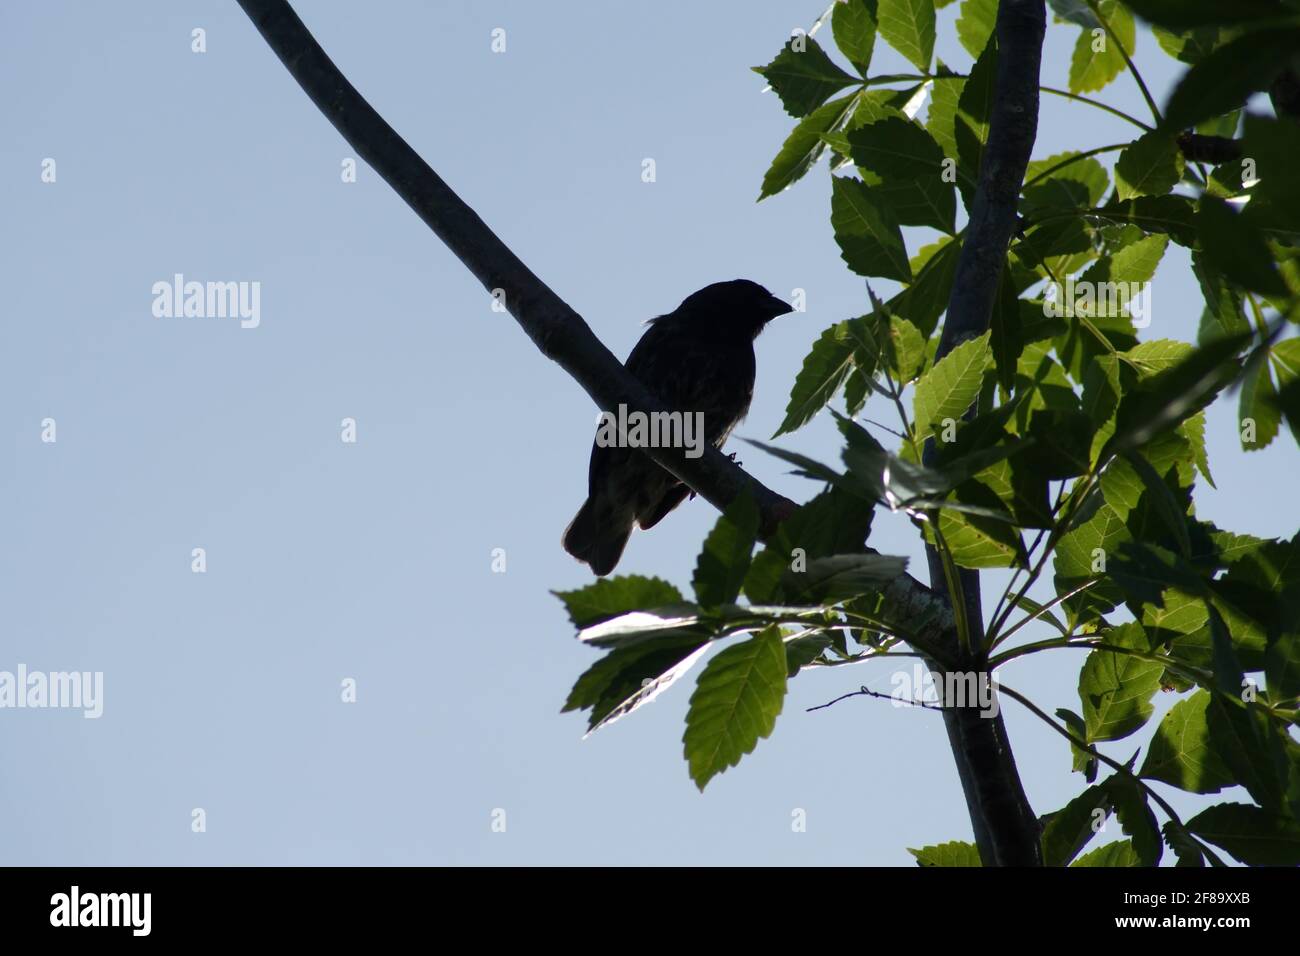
{"points": [[779, 307]]}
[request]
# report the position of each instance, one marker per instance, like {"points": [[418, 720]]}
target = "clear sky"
{"points": [[373, 561]]}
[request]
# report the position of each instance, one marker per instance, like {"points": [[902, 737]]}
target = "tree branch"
{"points": [[557, 330], [1006, 830]]}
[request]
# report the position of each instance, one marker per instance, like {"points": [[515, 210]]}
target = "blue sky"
{"points": [[373, 561]]}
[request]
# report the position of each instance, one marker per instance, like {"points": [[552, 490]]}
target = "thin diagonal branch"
{"points": [[557, 330]]}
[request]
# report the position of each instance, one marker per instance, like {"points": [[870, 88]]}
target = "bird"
{"points": [[699, 358]]}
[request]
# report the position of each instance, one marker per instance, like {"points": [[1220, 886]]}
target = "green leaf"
{"points": [[840, 577], [975, 25], [1080, 557], [1173, 215], [939, 119], [1116, 688], [853, 24], [1082, 761], [926, 299], [1151, 165], [971, 123], [953, 853], [1079, 184], [610, 597], [1184, 845], [1185, 14], [1255, 836], [1235, 248], [721, 567], [833, 356], [1271, 145], [834, 522], [804, 146], [803, 650], [1282, 667], [1163, 401], [1006, 340], [980, 540], [1097, 59], [1166, 505], [629, 676], [1181, 753], [951, 386], [1190, 45], [904, 163], [908, 25], [736, 702], [1119, 853], [870, 240], [804, 78], [905, 352], [1068, 831], [900, 153], [1223, 80], [1135, 817], [1258, 416]]}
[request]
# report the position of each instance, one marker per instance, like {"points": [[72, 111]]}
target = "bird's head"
{"points": [[736, 307]]}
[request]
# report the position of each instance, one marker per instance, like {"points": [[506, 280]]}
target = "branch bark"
{"points": [[1006, 830], [557, 330]]}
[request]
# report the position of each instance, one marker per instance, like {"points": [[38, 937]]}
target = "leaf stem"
{"points": [[1098, 104], [1113, 764]]}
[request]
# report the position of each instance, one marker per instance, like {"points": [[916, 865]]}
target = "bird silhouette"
{"points": [[699, 358]]}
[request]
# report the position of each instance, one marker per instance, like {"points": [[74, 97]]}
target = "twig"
{"points": [[865, 691]]}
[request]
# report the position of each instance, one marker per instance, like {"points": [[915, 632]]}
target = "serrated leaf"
{"points": [[1181, 753], [1187, 14], [1097, 58], [974, 114], [1081, 760], [1255, 836], [906, 350], [1151, 165], [1282, 667], [804, 79], [975, 24], [951, 386], [839, 577], [628, 677], [804, 146], [870, 241], [736, 702], [1135, 818], [1119, 853], [1068, 831], [1258, 416], [833, 522], [927, 297], [610, 597], [903, 156], [1234, 247], [953, 853], [1116, 688], [839, 349], [721, 567], [1223, 80], [908, 25], [853, 24]]}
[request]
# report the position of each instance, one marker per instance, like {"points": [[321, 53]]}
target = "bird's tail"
{"points": [[596, 536]]}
